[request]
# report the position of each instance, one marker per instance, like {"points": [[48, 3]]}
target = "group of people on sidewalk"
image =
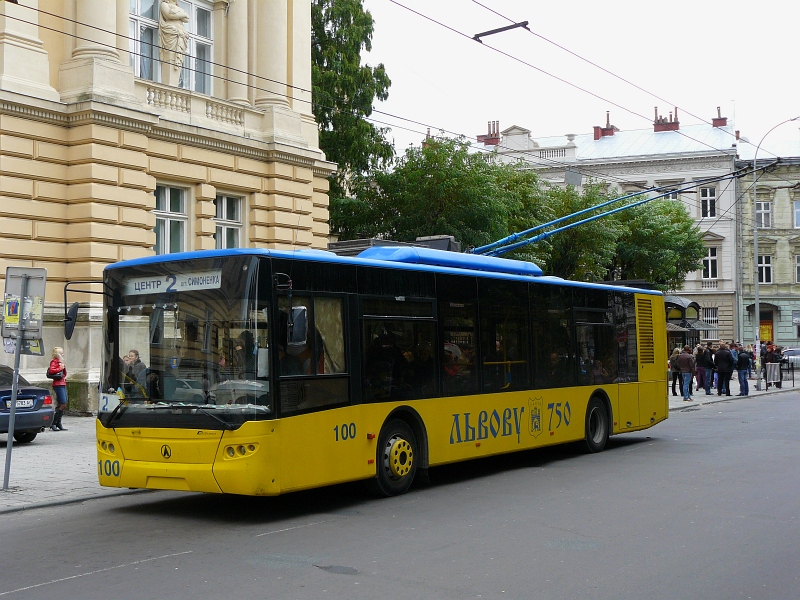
{"points": [[713, 366]]}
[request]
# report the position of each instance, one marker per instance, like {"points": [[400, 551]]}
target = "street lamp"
{"points": [[756, 304]]}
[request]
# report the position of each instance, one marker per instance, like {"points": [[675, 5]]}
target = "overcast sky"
{"points": [[696, 54]]}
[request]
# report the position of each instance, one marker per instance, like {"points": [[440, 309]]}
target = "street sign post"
{"points": [[23, 304]]}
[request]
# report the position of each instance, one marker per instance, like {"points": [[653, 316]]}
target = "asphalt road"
{"points": [[704, 505]]}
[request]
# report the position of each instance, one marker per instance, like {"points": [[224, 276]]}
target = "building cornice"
{"points": [[118, 117]]}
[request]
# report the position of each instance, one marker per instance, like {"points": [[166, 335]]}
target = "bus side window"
{"points": [[504, 340]]}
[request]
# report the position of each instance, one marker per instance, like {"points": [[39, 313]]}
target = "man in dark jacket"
{"points": [[743, 364], [723, 361], [686, 365]]}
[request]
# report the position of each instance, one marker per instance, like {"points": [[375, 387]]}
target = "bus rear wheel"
{"points": [[596, 425], [396, 459]]}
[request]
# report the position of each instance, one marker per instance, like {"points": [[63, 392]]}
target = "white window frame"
{"points": [[228, 220], [711, 316], [765, 268], [708, 202], [764, 215], [171, 219], [138, 50], [711, 263], [191, 77], [672, 195], [797, 268]]}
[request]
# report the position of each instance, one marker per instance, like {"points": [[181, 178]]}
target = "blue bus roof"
{"points": [[396, 257]]}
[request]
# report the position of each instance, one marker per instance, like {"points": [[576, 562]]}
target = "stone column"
{"points": [[123, 30], [272, 40], [96, 30], [95, 71], [24, 65], [237, 52]]}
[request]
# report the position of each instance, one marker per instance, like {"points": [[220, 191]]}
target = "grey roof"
{"points": [[769, 149], [646, 142]]}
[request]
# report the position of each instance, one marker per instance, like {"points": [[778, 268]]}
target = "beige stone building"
{"points": [[134, 127]]}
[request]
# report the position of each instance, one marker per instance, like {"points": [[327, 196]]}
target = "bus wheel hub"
{"points": [[399, 457]]}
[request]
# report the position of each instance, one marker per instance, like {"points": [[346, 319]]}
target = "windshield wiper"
{"points": [[225, 424], [117, 409], [200, 409]]}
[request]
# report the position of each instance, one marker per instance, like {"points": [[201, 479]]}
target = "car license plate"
{"points": [[22, 403]]}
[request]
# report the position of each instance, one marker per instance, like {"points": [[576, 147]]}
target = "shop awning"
{"points": [[698, 324]]}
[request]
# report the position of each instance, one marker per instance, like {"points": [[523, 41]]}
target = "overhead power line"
{"points": [[583, 169], [543, 71]]}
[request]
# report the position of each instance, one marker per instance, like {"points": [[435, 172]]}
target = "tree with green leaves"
{"points": [[344, 91], [442, 188]]}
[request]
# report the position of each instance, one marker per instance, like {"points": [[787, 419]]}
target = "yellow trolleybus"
{"points": [[262, 372]]}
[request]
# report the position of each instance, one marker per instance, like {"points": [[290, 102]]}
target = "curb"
{"points": [[52, 503], [725, 399]]}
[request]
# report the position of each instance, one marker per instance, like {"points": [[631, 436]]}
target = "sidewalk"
{"points": [[699, 396], [54, 469], [61, 468]]}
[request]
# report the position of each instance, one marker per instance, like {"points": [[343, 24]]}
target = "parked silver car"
{"points": [[792, 356]]}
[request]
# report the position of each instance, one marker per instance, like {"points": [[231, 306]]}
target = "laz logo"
{"points": [[487, 425]]}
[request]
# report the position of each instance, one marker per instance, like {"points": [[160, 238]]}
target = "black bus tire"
{"points": [[596, 425], [397, 457]]}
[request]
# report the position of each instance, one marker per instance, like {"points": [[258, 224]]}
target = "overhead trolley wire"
{"points": [[571, 166], [586, 60], [597, 174], [543, 71]]}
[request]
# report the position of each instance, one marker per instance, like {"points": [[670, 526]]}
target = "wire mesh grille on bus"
{"points": [[644, 324]]}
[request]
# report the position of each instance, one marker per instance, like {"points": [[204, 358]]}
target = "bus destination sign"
{"points": [[174, 282]]}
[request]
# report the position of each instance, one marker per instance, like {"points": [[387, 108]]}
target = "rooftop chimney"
{"points": [[609, 129], [661, 124], [719, 120], [492, 138]]}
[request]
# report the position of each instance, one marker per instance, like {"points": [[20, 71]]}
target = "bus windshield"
{"points": [[193, 355]]}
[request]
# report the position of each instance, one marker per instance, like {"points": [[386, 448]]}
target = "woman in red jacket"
{"points": [[57, 371]]}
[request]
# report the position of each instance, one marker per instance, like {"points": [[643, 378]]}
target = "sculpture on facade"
{"points": [[173, 39]]}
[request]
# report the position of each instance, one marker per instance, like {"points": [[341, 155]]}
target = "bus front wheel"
{"points": [[596, 425], [396, 459]]}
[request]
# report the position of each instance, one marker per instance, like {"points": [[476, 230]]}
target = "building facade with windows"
{"points": [[665, 155], [136, 127], [775, 211]]}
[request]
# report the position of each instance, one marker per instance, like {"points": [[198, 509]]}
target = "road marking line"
{"points": [[289, 529], [138, 562]]}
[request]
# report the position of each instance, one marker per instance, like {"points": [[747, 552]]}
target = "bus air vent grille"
{"points": [[644, 319]]}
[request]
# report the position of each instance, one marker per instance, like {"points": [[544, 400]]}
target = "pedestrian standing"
{"points": [[723, 362], [743, 364], [57, 371], [700, 367], [676, 372], [686, 365], [708, 363]]}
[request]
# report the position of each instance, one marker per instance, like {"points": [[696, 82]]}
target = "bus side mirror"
{"points": [[70, 319]]}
